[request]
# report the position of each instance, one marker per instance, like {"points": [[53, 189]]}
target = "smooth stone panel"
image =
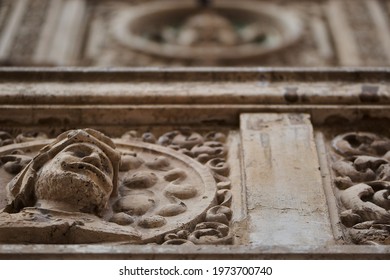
{"points": [[285, 198]]}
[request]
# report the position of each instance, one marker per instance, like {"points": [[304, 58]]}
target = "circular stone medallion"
{"points": [[176, 29], [159, 190]]}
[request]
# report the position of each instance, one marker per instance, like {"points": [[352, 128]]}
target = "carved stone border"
{"points": [[208, 153], [196, 96]]}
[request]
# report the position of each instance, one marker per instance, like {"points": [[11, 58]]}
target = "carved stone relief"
{"points": [[85, 33], [362, 181], [243, 31], [84, 187], [114, 46]]}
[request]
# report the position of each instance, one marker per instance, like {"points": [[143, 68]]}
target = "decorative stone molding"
{"points": [[270, 172], [209, 150], [85, 188], [362, 168]]}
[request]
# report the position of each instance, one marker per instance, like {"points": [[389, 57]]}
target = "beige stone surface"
{"points": [[298, 33], [84, 188], [272, 199], [286, 201]]}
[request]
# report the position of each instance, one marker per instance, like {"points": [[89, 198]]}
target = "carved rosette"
{"points": [[362, 169], [173, 189]]}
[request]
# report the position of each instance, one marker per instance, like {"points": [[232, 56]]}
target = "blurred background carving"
{"points": [[121, 33]]}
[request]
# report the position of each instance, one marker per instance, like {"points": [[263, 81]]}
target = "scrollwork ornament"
{"points": [[178, 242], [220, 214], [363, 186], [211, 233], [30, 136], [224, 197], [14, 163], [219, 166], [6, 138], [210, 150], [361, 143]]}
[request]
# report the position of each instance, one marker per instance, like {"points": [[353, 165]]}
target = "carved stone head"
{"points": [[77, 172]]}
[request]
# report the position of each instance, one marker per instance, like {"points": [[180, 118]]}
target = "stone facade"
{"points": [[226, 163], [200, 163], [85, 33]]}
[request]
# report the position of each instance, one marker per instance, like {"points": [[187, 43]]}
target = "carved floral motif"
{"points": [[363, 183]]}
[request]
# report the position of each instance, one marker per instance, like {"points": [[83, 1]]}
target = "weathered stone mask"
{"points": [[79, 169]]}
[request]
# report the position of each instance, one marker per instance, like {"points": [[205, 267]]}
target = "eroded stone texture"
{"points": [[362, 169], [83, 188]]}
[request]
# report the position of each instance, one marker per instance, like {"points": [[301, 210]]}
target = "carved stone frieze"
{"points": [[262, 182], [84, 187], [362, 169]]}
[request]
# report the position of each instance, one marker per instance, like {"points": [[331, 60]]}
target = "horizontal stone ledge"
{"points": [[16, 115], [191, 92], [114, 251], [183, 74]]}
